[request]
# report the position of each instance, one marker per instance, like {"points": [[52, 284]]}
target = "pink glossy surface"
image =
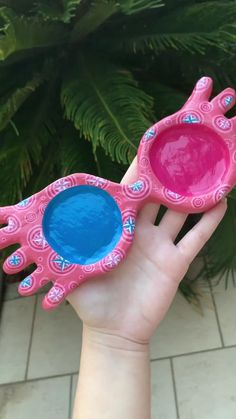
{"points": [[189, 160]]}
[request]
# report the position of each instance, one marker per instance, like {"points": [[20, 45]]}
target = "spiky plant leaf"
{"points": [[20, 33], [100, 11], [22, 151], [75, 153], [221, 248], [19, 6], [232, 194], [130, 7], [192, 29], [64, 10], [10, 105], [96, 96]]}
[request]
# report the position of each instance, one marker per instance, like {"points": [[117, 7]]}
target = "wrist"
{"points": [[113, 341]]}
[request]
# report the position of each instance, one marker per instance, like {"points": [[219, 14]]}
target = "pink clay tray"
{"points": [[82, 226]]}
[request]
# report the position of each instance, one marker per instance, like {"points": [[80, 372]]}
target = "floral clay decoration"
{"points": [[81, 226]]}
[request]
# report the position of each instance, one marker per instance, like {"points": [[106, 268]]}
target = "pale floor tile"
{"points": [[206, 385], [163, 402], [43, 399], [56, 342], [225, 300], [15, 331], [185, 330], [74, 385], [12, 291]]}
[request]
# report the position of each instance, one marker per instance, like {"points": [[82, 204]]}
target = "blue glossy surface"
{"points": [[82, 224]]}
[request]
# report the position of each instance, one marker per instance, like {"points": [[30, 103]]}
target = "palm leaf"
{"points": [[97, 14], [63, 11], [10, 106], [22, 151], [106, 105], [25, 33], [130, 7], [192, 29], [221, 248], [75, 153]]}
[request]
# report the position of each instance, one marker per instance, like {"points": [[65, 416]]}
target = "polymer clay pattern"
{"points": [[172, 170]]}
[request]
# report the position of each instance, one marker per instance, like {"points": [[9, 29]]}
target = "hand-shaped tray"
{"points": [[81, 226]]}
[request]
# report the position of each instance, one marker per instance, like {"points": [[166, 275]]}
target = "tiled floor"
{"points": [[193, 359]]}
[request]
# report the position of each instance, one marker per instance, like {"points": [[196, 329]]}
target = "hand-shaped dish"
{"points": [[81, 226]]}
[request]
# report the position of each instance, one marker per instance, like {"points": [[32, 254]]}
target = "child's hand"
{"points": [[132, 300]]}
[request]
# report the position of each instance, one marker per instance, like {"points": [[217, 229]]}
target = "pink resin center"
{"points": [[190, 160]]}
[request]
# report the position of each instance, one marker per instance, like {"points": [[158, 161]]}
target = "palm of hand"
{"points": [[132, 300]]}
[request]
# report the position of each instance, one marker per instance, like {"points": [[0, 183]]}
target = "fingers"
{"points": [[132, 173], [201, 92], [196, 238], [149, 213], [172, 222], [225, 100], [18, 261], [32, 283]]}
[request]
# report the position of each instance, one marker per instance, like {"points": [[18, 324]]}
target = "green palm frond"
{"points": [[10, 105], [191, 29], [76, 154], [96, 96], [22, 151], [19, 6], [167, 100], [63, 11], [221, 248], [20, 33], [97, 14], [130, 7]]}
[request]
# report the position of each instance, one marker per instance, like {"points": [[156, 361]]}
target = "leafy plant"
{"points": [[81, 80]]}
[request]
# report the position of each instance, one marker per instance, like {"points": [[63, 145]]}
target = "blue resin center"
{"points": [[82, 224]]}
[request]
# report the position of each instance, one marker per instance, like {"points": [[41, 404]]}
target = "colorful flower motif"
{"points": [[13, 225], [62, 263], [26, 283], [37, 240], [56, 294], [139, 189], [25, 203], [113, 260], [14, 260], [61, 184], [40, 240], [222, 123], [191, 119], [173, 196], [96, 181], [137, 186], [202, 83], [228, 100], [129, 225], [149, 134]]}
